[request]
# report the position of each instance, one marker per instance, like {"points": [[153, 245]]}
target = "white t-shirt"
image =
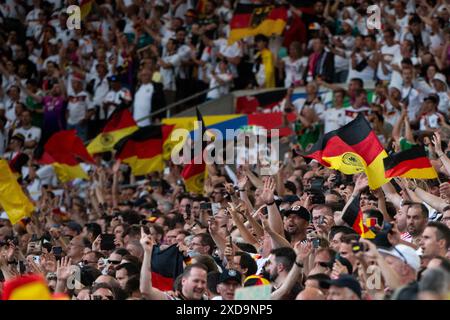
{"points": [[319, 108], [351, 113], [78, 105], [169, 74], [142, 105], [223, 89], [388, 53], [431, 119], [32, 133], [334, 119], [413, 101], [294, 70], [365, 74], [113, 98]]}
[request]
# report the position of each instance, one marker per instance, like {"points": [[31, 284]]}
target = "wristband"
{"points": [[271, 203], [300, 265], [242, 190]]}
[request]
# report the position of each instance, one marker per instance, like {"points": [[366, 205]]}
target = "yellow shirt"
{"points": [[267, 60]]}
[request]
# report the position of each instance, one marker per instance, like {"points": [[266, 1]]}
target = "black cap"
{"points": [[18, 136], [346, 281], [432, 97], [74, 226], [345, 262], [302, 212], [230, 274]]}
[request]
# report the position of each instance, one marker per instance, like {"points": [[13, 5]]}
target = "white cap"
{"points": [[349, 22], [53, 41], [439, 76], [405, 253], [4, 216]]}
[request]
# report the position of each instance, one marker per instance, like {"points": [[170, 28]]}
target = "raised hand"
{"points": [[242, 182], [303, 250], [63, 268], [436, 139], [147, 241], [361, 183], [268, 191]]}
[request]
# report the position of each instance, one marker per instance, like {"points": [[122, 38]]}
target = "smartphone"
{"points": [[188, 210], [107, 242], [317, 183], [316, 242], [57, 251], [37, 259], [205, 206], [215, 208], [154, 184]]}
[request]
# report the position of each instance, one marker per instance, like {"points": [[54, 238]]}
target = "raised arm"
{"points": [[275, 220], [442, 156], [145, 286]]}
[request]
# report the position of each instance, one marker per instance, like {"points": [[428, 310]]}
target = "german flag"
{"points": [[64, 151], [353, 216], [267, 100], [167, 265], [352, 149], [119, 125], [194, 173], [143, 149], [200, 8], [252, 19], [27, 287], [12, 199], [411, 163]]}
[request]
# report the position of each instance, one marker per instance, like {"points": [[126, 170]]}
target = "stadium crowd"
{"points": [[246, 229]]}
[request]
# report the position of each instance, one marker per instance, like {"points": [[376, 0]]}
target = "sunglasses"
{"points": [[113, 261], [86, 262], [324, 264]]}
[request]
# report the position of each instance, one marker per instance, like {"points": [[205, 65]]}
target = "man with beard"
{"points": [[296, 222], [416, 220], [281, 261]]}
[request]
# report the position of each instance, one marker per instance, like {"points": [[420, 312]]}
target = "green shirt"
{"points": [[306, 137], [37, 119]]}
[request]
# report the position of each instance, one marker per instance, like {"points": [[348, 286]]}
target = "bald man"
{"points": [[310, 293]]}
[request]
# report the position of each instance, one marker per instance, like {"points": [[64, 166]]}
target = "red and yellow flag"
{"points": [[29, 287], [85, 7], [252, 19], [12, 199], [63, 151]]}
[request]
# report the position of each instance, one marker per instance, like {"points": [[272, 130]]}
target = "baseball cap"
{"points": [[349, 22], [405, 253], [230, 274], [4, 216], [19, 136], [255, 280], [302, 212], [432, 97], [346, 281], [439, 76], [345, 262]]}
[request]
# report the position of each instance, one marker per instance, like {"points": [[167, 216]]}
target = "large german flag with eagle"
{"points": [[252, 19], [412, 163], [352, 149], [143, 149], [120, 124]]}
